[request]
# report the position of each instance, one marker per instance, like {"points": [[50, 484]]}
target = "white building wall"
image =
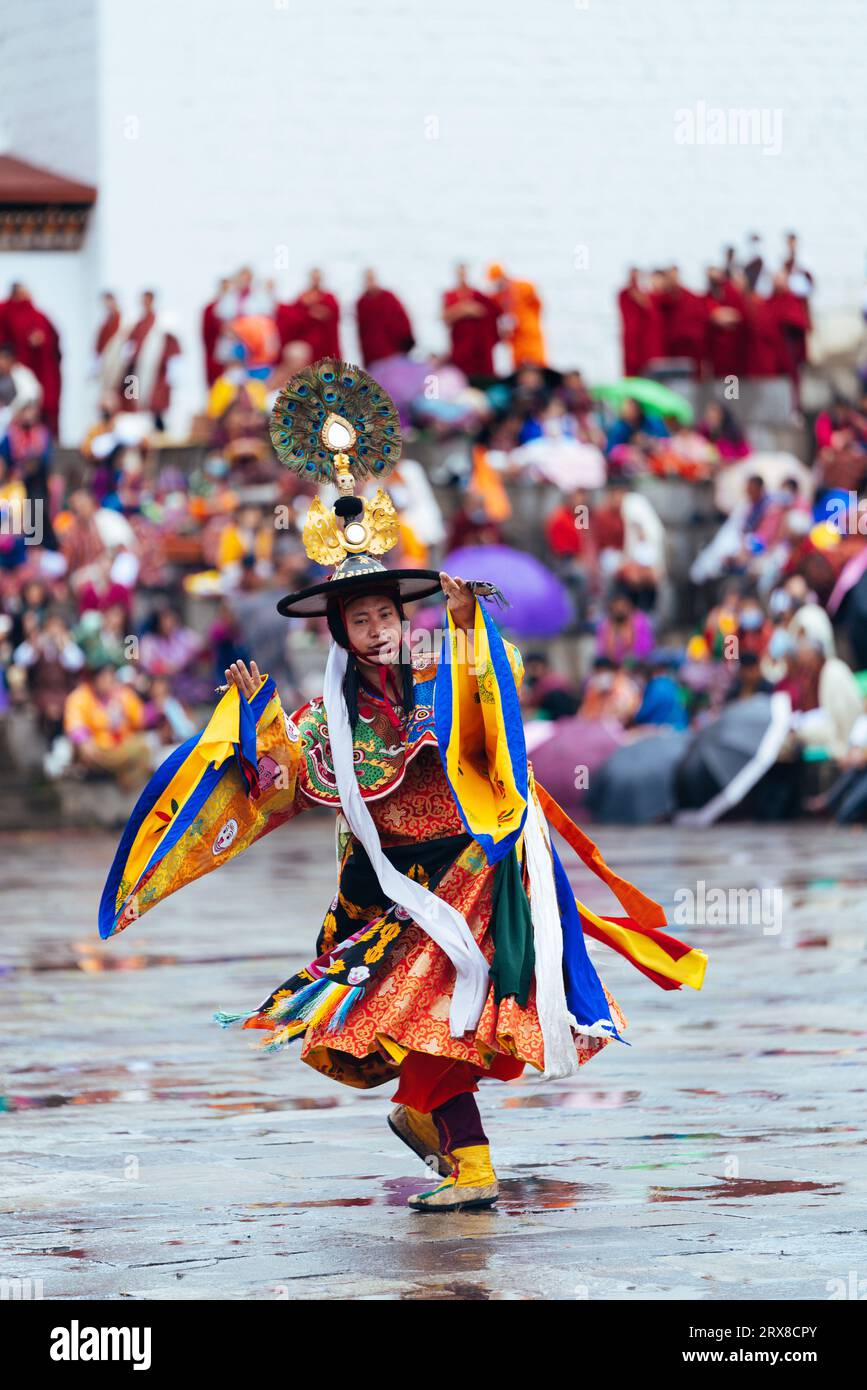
{"points": [[49, 102], [410, 135]]}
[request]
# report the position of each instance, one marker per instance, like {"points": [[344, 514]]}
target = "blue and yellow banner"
{"points": [[476, 707], [211, 798]]}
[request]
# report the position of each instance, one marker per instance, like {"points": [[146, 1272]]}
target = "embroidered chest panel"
{"points": [[382, 752]]}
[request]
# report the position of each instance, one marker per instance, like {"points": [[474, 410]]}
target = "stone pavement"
{"points": [[146, 1154]]}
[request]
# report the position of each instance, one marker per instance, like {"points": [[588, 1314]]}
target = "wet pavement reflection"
{"points": [[147, 1154]]}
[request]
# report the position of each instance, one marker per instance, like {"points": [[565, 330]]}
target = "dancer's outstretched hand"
{"points": [[461, 600], [248, 682]]}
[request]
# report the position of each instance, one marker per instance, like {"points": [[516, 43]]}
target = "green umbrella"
{"points": [[659, 399]]}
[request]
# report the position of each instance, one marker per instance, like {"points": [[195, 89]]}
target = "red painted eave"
{"points": [[23, 183]]}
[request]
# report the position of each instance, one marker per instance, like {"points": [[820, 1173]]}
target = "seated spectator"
{"points": [[610, 693], [557, 704], [720, 428], [634, 427], [663, 704], [27, 447], [87, 531], [103, 636], [629, 540], [748, 679], [471, 523], [824, 693], [52, 660], [104, 720], [248, 537], [685, 454], [752, 529], [100, 590], [166, 716], [19, 386], [754, 628], [626, 634], [570, 540], [540, 681], [171, 650], [805, 617]]}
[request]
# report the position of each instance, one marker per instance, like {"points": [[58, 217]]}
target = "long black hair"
{"points": [[352, 677]]}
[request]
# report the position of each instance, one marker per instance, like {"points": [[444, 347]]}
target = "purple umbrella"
{"points": [[564, 764], [539, 604], [403, 379]]}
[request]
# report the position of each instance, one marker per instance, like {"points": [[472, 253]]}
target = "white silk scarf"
{"points": [[442, 922], [555, 1020]]}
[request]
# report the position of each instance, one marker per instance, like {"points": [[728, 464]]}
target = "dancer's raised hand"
{"points": [[248, 682]]}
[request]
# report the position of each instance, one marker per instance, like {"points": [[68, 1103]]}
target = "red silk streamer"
{"points": [[643, 910]]}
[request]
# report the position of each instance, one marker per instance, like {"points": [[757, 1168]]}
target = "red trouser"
{"points": [[427, 1082]]}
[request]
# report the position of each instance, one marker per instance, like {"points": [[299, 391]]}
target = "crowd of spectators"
{"points": [[129, 579]]}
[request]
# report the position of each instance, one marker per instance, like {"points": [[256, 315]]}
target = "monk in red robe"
{"points": [[148, 352], [764, 349], [793, 316], [313, 318], [37, 345], [292, 322], [471, 318], [685, 319], [384, 329], [109, 324], [726, 327], [212, 327], [642, 329]]}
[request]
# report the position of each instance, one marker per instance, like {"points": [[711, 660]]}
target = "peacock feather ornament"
{"points": [[333, 423], [333, 420]]}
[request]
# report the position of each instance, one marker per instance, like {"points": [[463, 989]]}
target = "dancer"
{"points": [[453, 948]]}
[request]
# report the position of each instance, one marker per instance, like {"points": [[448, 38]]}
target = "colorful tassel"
{"points": [[344, 1007], [318, 1003], [288, 1008]]}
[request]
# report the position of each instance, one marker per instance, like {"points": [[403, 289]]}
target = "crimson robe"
{"points": [[36, 344], [764, 344], [291, 320], [106, 331], [685, 319], [793, 318], [322, 334], [159, 397], [384, 328], [726, 344], [474, 337], [642, 330], [212, 326], [134, 340]]}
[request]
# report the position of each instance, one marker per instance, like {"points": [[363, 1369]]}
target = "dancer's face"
{"points": [[373, 625]]}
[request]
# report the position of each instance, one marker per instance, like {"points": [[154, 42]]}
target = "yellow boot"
{"points": [[473, 1183], [419, 1133]]}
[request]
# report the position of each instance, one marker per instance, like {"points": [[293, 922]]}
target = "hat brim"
{"points": [[313, 602]]}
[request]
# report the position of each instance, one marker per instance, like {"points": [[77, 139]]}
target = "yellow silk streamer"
{"points": [[478, 757], [689, 969]]}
